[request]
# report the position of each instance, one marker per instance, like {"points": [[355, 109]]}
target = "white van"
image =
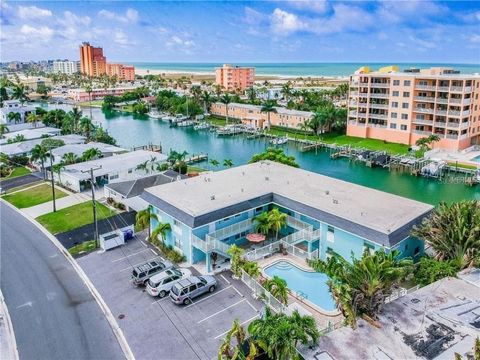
{"points": [[160, 284]]}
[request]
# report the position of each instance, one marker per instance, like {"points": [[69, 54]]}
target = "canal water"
{"points": [[130, 131]]}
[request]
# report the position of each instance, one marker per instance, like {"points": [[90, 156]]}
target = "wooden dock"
{"points": [[149, 147], [197, 158]]}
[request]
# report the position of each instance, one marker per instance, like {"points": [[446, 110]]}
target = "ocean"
{"points": [[296, 69]]}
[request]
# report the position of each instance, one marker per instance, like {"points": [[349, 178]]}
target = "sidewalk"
{"points": [[47, 207], [8, 345]]}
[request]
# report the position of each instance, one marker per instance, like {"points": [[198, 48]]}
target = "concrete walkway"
{"points": [[47, 207]]}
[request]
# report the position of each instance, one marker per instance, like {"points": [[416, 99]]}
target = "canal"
{"points": [[133, 131]]}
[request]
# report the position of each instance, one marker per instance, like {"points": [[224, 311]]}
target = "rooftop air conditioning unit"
{"points": [[335, 201], [212, 197]]}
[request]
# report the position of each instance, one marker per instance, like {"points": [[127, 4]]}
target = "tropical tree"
{"points": [[86, 126], [426, 143], [74, 116], [14, 116], [268, 107], [262, 223], [277, 220], [40, 153], [287, 90], [33, 118], [92, 153], [278, 288], [20, 93], [144, 218], [177, 161], [251, 94], [236, 254], [237, 332], [207, 101], [69, 158], [361, 286], [228, 163], [214, 163], [161, 230], [274, 154], [252, 268], [453, 231], [279, 334], [226, 99], [3, 129], [318, 122]]}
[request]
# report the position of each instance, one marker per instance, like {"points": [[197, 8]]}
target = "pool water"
{"points": [[311, 285], [476, 159]]}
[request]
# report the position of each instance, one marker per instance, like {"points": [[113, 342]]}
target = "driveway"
{"points": [[61, 203], [54, 314], [8, 184], [157, 328]]}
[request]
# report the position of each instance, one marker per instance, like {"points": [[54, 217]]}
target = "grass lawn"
{"points": [[333, 138], [215, 120], [460, 165], [86, 246], [195, 169], [73, 217], [95, 103], [18, 188], [34, 196], [18, 171]]}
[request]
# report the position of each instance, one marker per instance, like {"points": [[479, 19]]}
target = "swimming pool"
{"points": [[311, 285], [476, 159]]}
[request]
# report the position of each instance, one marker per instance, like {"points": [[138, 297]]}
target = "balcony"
{"points": [[456, 88], [440, 123], [380, 85], [354, 83], [467, 89], [423, 110], [424, 98], [467, 101], [421, 132], [464, 125], [353, 104], [353, 113], [452, 136], [463, 136], [455, 100], [379, 116], [453, 113], [379, 95], [441, 112], [352, 122], [466, 113], [425, 87], [383, 126], [353, 93], [423, 121], [453, 124], [363, 83], [362, 115], [443, 88], [440, 100], [379, 106]]}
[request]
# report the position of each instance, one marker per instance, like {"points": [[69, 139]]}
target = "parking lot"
{"points": [[157, 328]]}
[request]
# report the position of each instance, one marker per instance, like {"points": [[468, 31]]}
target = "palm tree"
{"points": [[228, 163], [277, 220], [269, 107], [92, 153], [88, 89], [251, 94], [214, 163], [143, 219], [425, 142], [304, 126], [236, 254], [69, 158], [318, 122], [14, 116], [287, 90], [20, 93], [361, 286], [278, 288], [86, 126], [207, 101], [226, 352], [252, 268], [143, 166], [40, 153], [75, 115], [33, 118], [3, 129], [58, 169], [453, 231], [262, 223], [304, 327], [161, 230], [226, 99]]}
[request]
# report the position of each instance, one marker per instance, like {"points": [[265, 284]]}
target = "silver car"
{"points": [[160, 284], [187, 289], [142, 273]]}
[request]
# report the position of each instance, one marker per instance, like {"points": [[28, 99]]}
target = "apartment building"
{"points": [[253, 116], [235, 77], [66, 67], [92, 60], [99, 93], [122, 72], [405, 106]]}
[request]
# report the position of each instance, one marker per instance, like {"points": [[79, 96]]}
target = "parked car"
{"points": [[142, 273], [160, 284], [187, 289]]}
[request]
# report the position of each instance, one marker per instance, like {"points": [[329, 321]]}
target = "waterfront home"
{"points": [[99, 93], [128, 192], [78, 150], [253, 116], [14, 106], [31, 134], [25, 147], [110, 169], [211, 212]]}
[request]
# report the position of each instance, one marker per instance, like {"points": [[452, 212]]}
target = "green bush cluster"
{"points": [[168, 251], [429, 270]]}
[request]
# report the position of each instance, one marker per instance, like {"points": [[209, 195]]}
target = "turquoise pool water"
{"points": [[476, 159], [311, 285]]}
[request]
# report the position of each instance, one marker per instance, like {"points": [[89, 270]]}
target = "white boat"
{"points": [[156, 115], [185, 123], [202, 126], [279, 141]]}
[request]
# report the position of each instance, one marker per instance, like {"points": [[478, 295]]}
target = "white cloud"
{"points": [[475, 38], [43, 32], [284, 23], [253, 17], [401, 11], [423, 43], [121, 39], [317, 6], [70, 19], [130, 16], [185, 45], [33, 12]]}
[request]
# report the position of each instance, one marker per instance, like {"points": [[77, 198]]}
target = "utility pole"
{"points": [[92, 182], [53, 182]]}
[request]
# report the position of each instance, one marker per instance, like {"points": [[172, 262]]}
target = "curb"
{"points": [[12, 349], [103, 306]]}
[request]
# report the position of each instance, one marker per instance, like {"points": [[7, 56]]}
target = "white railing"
{"points": [[442, 100], [263, 251], [232, 229], [423, 121], [379, 95], [423, 110], [298, 224], [425, 87], [452, 136], [199, 243], [424, 98], [261, 293]]}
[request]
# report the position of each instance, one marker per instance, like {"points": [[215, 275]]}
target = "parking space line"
{"points": [[219, 312], [143, 243], [238, 292], [253, 307], [156, 302], [153, 251], [223, 277], [127, 256], [208, 297], [243, 323]]}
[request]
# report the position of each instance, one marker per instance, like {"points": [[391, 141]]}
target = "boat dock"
{"points": [[149, 147], [196, 158]]}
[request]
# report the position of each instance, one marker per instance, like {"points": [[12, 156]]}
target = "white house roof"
{"points": [[79, 149], [31, 134], [112, 164], [24, 147]]}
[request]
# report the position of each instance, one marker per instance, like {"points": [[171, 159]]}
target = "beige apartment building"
{"points": [[253, 116], [235, 77], [403, 107]]}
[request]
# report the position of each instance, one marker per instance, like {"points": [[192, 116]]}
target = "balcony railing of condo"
{"points": [[440, 123], [199, 243], [377, 125], [456, 88], [453, 113], [464, 125], [379, 95], [379, 106], [452, 136], [455, 100], [440, 100], [443, 88], [423, 110], [422, 132], [452, 124], [353, 93], [423, 121], [467, 89], [378, 116], [467, 101], [425, 87], [463, 136], [380, 85], [465, 112], [424, 98], [440, 112]]}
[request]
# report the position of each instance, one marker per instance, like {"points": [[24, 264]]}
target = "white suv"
{"points": [[160, 284]]}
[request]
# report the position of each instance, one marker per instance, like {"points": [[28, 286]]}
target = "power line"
{"points": [[92, 183]]}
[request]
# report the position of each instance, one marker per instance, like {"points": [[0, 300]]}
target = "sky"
{"points": [[244, 31]]}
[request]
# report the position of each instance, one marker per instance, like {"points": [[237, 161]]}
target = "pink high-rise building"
{"points": [[122, 72], [403, 107], [235, 77]]}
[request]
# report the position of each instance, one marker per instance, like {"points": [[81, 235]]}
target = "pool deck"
{"points": [[323, 318]]}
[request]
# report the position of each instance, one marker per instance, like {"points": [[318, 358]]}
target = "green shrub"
{"points": [[168, 251], [429, 270]]}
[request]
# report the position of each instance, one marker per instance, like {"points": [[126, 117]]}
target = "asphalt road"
{"points": [[8, 184], [53, 313]]}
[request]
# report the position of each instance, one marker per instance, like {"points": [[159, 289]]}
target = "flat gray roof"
{"points": [[24, 147], [364, 211]]}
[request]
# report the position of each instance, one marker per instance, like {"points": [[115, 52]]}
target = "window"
{"points": [[368, 247], [396, 82], [330, 234], [403, 127], [393, 115], [404, 105], [406, 83], [130, 171], [192, 288], [177, 242], [176, 222], [394, 104], [404, 116], [395, 93], [416, 251], [406, 94], [113, 176], [393, 126]]}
